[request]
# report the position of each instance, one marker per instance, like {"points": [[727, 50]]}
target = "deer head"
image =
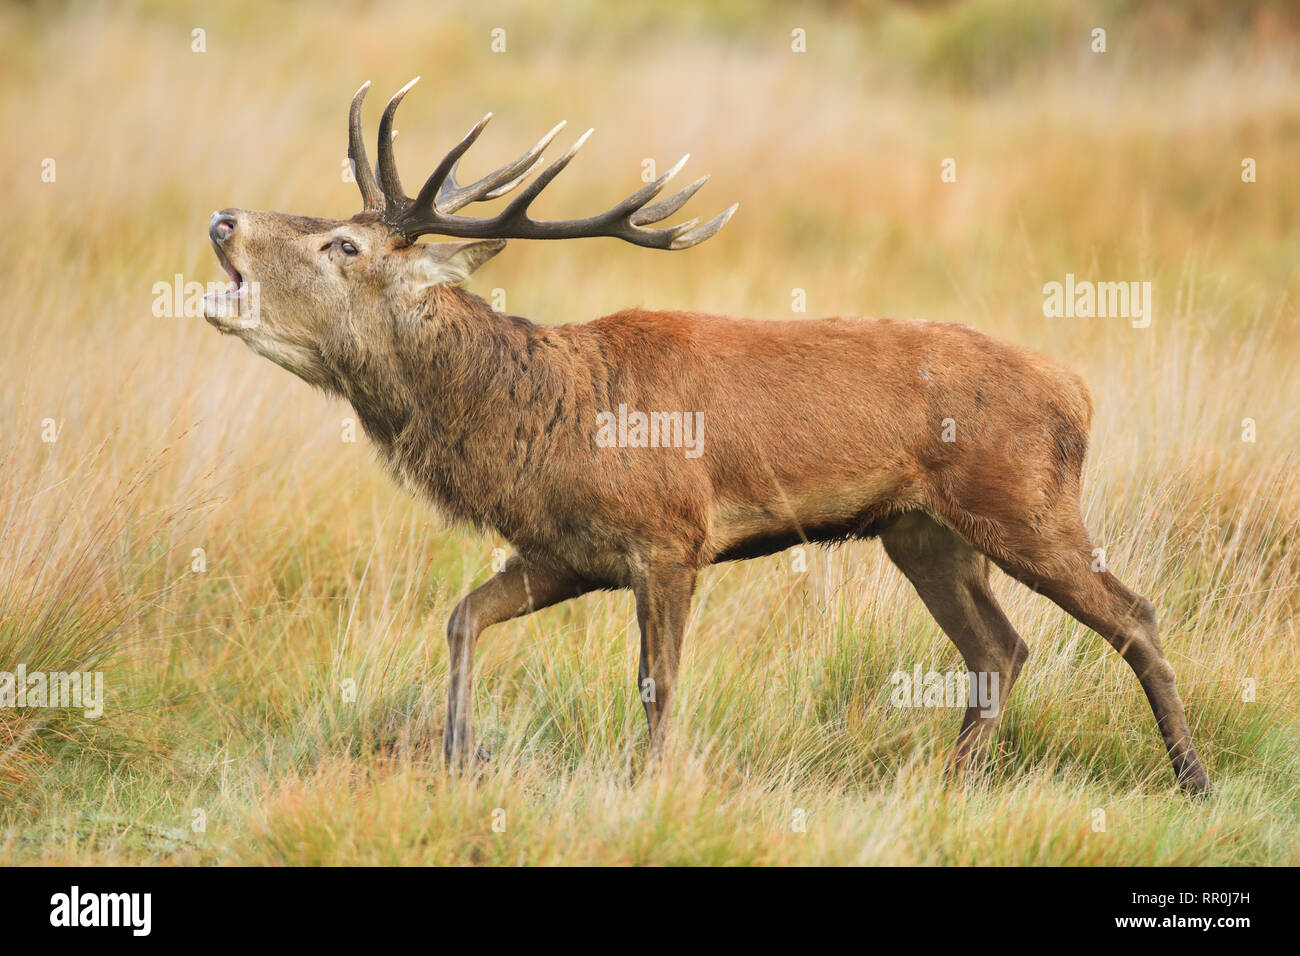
{"points": [[311, 294]]}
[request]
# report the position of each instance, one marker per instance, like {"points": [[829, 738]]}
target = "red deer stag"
{"points": [[804, 431]]}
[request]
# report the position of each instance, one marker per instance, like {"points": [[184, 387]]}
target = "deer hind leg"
{"points": [[519, 588], [1059, 564], [952, 579]]}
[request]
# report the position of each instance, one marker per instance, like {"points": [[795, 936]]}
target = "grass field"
{"points": [[200, 531]]}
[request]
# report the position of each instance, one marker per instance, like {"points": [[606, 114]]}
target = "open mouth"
{"points": [[236, 280], [220, 308]]}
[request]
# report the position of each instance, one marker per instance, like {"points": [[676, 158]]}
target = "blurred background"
{"points": [[830, 123]]}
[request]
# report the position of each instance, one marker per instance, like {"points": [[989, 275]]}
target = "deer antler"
{"points": [[371, 196], [433, 208]]}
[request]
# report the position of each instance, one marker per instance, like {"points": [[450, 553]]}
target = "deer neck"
{"points": [[456, 413]]}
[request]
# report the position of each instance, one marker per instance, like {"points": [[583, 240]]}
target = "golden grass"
{"points": [[225, 686]]}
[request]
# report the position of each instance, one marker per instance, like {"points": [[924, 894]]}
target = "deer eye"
{"points": [[348, 247]]}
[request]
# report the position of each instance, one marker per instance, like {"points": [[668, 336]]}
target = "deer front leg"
{"points": [[663, 603], [517, 589]]}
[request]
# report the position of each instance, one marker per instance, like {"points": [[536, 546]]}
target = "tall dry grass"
{"points": [[226, 686]]}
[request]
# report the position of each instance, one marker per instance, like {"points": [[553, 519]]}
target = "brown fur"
{"points": [[815, 430]]}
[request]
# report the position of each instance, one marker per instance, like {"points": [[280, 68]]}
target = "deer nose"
{"points": [[221, 226]]}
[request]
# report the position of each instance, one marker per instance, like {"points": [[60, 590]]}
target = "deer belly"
{"points": [[748, 529]]}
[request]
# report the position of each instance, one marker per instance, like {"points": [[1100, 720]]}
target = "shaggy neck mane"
{"points": [[454, 407]]}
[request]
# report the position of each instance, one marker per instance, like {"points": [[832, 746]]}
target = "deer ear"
{"points": [[442, 263]]}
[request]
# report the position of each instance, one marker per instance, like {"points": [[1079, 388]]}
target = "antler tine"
{"points": [[646, 193], [510, 186], [389, 180], [666, 207], [518, 208], [453, 196], [424, 200], [696, 236], [371, 197]]}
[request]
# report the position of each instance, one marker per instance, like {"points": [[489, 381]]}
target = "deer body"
{"points": [[497, 425], [957, 451]]}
